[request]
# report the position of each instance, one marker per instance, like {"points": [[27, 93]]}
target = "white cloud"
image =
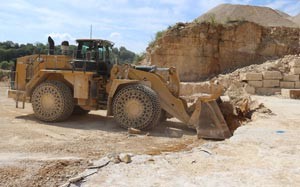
{"points": [[115, 35], [59, 37], [291, 7], [128, 23]]}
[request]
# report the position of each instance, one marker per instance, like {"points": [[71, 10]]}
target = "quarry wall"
{"points": [[203, 50]]}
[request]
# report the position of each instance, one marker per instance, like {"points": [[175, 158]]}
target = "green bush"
{"points": [[6, 65], [158, 35], [139, 57]]}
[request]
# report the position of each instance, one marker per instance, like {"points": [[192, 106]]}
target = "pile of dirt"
{"points": [[227, 37], [296, 19], [264, 16]]}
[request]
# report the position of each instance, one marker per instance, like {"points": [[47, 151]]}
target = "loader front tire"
{"points": [[136, 106], [52, 101]]}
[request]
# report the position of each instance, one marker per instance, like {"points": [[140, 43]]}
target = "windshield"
{"points": [[94, 52]]}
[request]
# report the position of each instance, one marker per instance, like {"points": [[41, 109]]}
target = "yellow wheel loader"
{"points": [[87, 79]]}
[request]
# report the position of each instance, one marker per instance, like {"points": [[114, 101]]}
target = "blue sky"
{"points": [[129, 23]]}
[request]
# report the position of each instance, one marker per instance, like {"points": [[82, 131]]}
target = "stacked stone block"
{"points": [[295, 71], [271, 82]]}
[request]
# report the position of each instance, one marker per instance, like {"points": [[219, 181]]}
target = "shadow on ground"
{"points": [[103, 123]]}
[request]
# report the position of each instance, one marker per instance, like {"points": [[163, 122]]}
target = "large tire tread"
{"points": [[152, 99], [65, 96]]}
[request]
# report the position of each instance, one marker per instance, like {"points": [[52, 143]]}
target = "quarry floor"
{"points": [[265, 152], [35, 153]]}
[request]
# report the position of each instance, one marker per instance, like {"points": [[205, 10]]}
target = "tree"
{"points": [[10, 51], [139, 57], [6, 65], [124, 56]]}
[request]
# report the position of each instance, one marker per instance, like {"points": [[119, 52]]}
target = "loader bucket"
{"points": [[209, 121]]}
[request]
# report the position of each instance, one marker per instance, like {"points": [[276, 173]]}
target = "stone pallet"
{"points": [[271, 82], [292, 78], [295, 71], [251, 77], [272, 75]]}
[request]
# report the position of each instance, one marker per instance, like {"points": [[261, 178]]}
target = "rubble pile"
{"points": [[261, 79], [264, 16]]}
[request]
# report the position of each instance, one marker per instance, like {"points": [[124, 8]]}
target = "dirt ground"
{"points": [[34, 153], [265, 152]]}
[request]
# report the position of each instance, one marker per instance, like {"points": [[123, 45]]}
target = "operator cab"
{"points": [[94, 55]]}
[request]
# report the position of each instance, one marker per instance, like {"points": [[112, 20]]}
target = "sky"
{"points": [[128, 23]]}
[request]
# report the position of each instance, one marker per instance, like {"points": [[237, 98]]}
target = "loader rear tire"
{"points": [[136, 106], [52, 101]]}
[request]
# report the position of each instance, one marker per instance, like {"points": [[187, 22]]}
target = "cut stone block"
{"points": [[291, 93], [256, 84], [295, 71], [295, 63], [249, 89], [286, 84], [294, 78], [251, 76], [297, 84], [187, 89], [272, 75], [267, 91], [270, 83]]}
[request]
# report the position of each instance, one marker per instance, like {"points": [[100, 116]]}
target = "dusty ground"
{"points": [[264, 153], [34, 153]]}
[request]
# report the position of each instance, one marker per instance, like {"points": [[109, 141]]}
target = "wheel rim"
{"points": [[134, 108], [47, 102]]}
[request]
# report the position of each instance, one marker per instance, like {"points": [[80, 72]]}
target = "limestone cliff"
{"points": [[201, 50]]}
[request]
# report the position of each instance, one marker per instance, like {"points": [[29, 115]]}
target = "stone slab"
{"points": [[249, 89], [286, 84], [271, 83], [256, 84], [288, 77], [295, 62], [267, 91], [272, 75], [297, 84], [291, 93], [295, 71], [251, 77]]}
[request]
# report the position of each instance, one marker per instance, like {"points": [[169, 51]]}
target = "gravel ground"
{"points": [[264, 153], [34, 153]]}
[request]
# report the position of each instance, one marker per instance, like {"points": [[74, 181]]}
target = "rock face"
{"points": [[264, 16], [202, 50]]}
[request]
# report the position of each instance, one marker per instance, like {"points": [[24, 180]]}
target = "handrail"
{"points": [[13, 84]]}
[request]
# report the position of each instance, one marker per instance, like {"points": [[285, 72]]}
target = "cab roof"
{"points": [[99, 41]]}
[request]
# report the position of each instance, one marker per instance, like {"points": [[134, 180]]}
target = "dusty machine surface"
{"points": [[88, 79]]}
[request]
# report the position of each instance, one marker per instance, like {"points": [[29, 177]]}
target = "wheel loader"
{"points": [[88, 78]]}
